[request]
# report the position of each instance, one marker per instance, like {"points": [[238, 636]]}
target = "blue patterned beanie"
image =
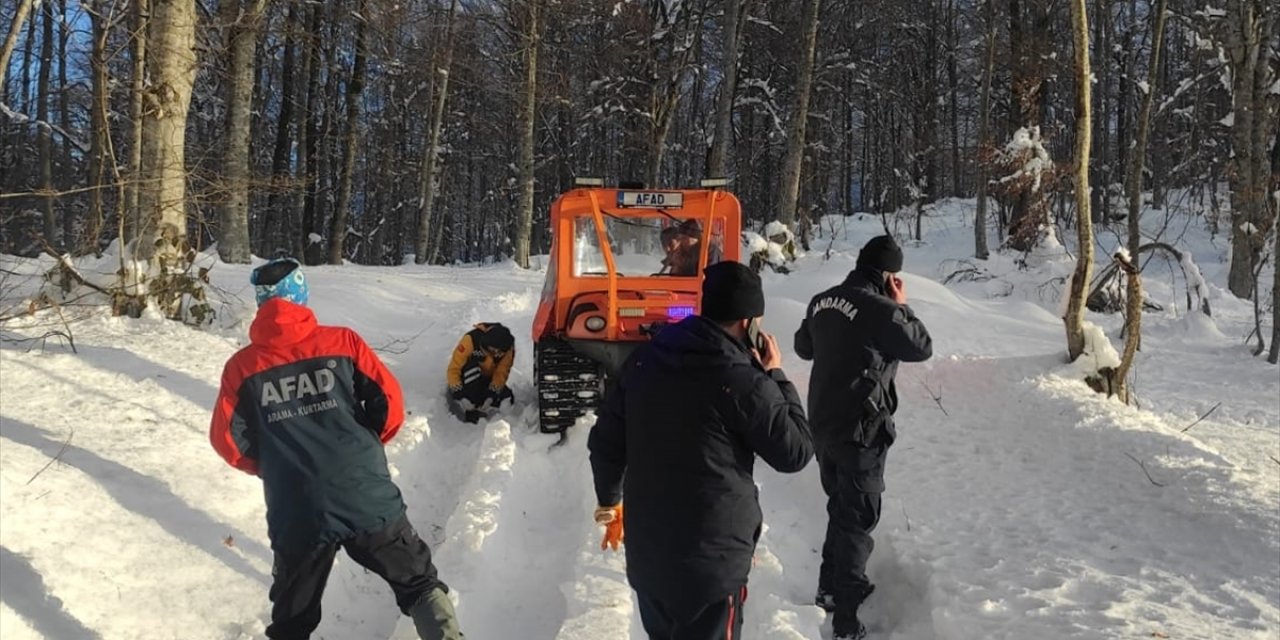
{"points": [[280, 278]]}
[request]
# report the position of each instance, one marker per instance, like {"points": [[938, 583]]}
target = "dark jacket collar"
{"points": [[699, 343], [864, 277]]}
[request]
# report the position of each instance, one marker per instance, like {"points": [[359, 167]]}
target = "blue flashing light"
{"points": [[679, 313]]}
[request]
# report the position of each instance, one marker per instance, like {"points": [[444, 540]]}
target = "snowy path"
{"points": [[514, 591], [1083, 535], [432, 479], [1020, 508], [1015, 507]]}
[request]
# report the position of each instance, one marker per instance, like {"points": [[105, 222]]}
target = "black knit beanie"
{"points": [[730, 292], [497, 337], [882, 254]]}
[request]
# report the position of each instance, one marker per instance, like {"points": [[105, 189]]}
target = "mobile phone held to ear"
{"points": [[754, 335]]}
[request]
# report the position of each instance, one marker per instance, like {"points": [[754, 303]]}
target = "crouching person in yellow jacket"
{"points": [[478, 372]]}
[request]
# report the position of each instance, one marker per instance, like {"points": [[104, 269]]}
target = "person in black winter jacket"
{"points": [[678, 436], [856, 333]]}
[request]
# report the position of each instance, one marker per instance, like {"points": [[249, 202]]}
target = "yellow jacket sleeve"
{"points": [[456, 362], [503, 370]]}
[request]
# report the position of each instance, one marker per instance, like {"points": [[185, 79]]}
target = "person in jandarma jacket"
{"points": [[677, 436], [856, 333], [308, 408]]}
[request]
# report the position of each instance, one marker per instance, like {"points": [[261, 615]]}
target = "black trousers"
{"points": [[853, 479], [720, 620], [477, 391], [395, 553]]}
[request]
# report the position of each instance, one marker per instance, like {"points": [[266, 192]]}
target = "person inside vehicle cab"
{"points": [[683, 243]]}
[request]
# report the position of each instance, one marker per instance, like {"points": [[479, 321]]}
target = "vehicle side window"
{"points": [[588, 257]]}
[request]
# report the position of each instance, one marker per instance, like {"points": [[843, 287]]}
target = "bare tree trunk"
{"points": [[171, 68], [789, 192], [25, 83], [1137, 157], [11, 41], [277, 231], [927, 158], [1102, 34], [338, 228], [665, 90], [1274, 356], [980, 250], [64, 111], [308, 146], [131, 221], [1248, 33], [44, 139], [524, 215], [1074, 318], [718, 158], [233, 227], [68, 230], [954, 82], [423, 252], [98, 126], [1029, 40], [660, 129]]}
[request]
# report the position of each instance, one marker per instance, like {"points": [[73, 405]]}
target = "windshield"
{"points": [[643, 246]]}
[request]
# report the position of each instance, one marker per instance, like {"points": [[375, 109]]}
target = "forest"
{"points": [[375, 131]]}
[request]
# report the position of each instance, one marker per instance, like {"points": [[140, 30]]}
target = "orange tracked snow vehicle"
{"points": [[624, 264]]}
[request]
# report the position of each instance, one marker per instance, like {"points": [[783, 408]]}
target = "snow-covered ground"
{"points": [[1020, 503]]}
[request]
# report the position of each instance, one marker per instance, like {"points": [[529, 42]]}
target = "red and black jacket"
{"points": [[307, 408]]}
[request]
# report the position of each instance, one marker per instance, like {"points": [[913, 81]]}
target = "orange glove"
{"points": [[611, 518]]}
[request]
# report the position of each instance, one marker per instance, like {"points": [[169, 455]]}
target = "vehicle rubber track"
{"points": [[569, 384]]}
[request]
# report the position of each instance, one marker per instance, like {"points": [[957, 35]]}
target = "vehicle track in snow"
{"points": [[434, 461], [432, 475], [512, 588]]}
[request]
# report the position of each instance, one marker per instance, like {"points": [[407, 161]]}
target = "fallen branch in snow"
{"points": [[905, 516], [34, 305], [967, 271], [43, 339], [1273, 459], [1201, 418], [56, 458], [937, 397], [401, 345], [1143, 466], [71, 340], [68, 269], [1106, 295]]}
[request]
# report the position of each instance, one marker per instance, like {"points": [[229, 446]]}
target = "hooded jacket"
{"points": [[852, 329], [308, 408], [677, 436]]}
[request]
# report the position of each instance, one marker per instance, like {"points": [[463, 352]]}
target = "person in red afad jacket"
{"points": [[308, 408]]}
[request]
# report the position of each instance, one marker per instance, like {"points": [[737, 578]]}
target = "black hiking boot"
{"points": [[826, 600], [857, 634]]}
